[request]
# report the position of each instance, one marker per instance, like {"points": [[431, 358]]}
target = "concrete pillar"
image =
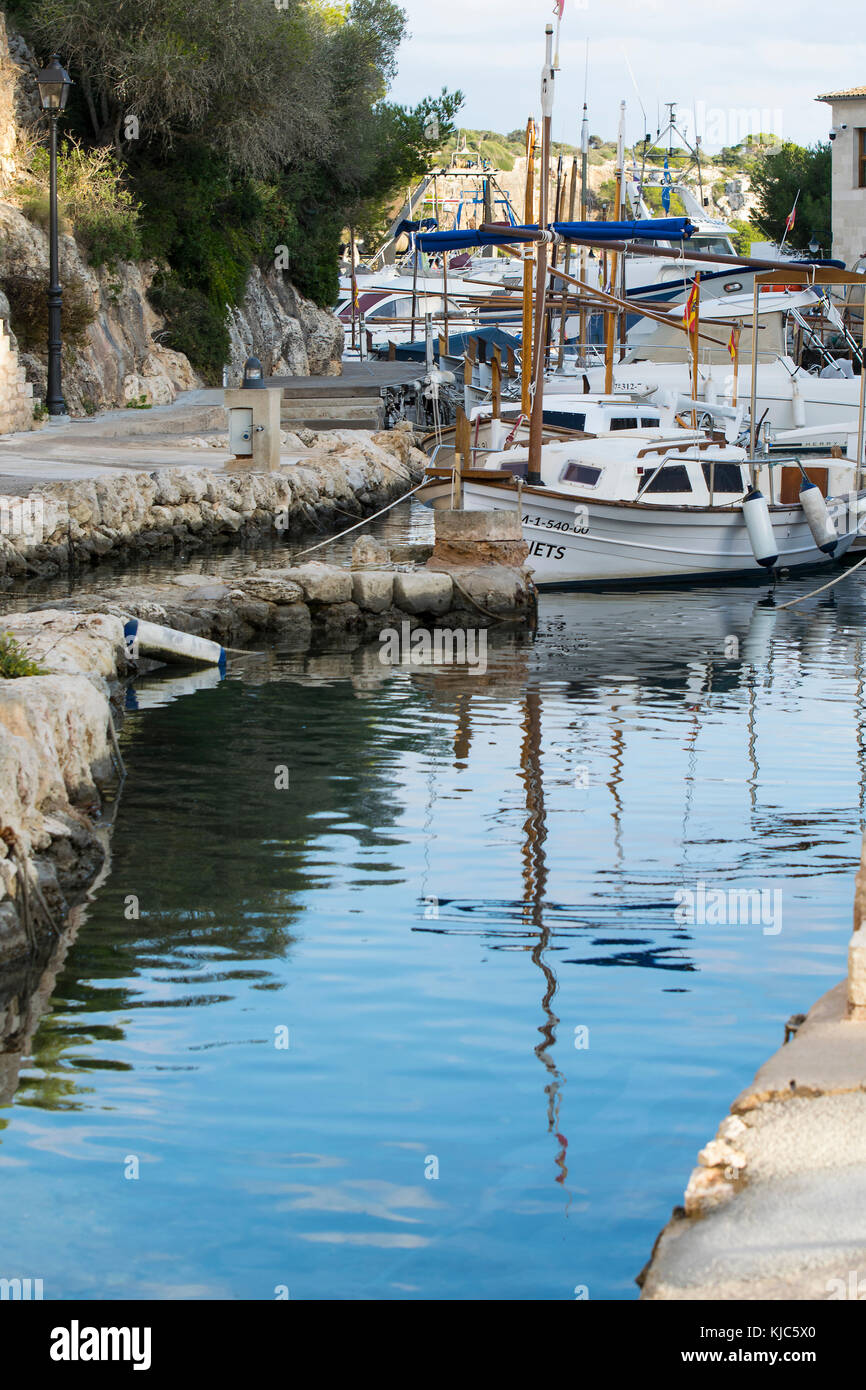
{"points": [[478, 538], [264, 402]]}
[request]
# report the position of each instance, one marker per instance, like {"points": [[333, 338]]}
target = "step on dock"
{"points": [[354, 400]]}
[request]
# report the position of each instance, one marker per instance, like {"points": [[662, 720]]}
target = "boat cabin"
{"points": [[644, 465]]}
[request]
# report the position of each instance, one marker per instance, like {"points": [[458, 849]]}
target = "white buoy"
{"points": [[151, 639], [756, 515], [820, 524]]}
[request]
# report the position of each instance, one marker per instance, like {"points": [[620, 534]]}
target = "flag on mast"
{"points": [[734, 342], [791, 219], [690, 312]]}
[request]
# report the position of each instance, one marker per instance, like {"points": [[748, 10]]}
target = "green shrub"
{"points": [[14, 661], [94, 201], [28, 307], [195, 325]]}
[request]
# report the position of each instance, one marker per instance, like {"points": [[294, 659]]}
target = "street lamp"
{"points": [[814, 246], [54, 83]]}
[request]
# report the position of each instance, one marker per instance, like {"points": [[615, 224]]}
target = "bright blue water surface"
{"points": [[465, 870]]}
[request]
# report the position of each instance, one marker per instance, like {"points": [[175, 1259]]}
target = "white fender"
{"points": [[756, 515], [822, 528], [798, 407], [150, 639]]}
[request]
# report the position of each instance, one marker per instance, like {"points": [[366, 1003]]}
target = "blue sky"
{"points": [[727, 64]]}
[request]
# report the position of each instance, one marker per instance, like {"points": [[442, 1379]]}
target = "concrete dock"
{"points": [[776, 1208]]}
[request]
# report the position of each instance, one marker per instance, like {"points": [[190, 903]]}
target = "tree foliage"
{"points": [[257, 124], [778, 178]]}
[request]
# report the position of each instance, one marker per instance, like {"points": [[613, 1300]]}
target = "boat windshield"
{"points": [[718, 244]]}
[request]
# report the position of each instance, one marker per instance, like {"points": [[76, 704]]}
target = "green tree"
{"points": [[778, 178]]}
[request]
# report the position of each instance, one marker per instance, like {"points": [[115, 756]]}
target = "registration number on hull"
{"points": [[580, 527]]}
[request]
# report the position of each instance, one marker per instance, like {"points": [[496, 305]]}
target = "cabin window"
{"points": [[517, 470], [567, 419], [719, 244], [624, 422], [580, 473], [647, 420], [727, 477], [388, 310], [861, 158], [674, 477]]}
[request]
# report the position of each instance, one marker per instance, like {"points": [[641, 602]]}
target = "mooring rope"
{"points": [[363, 522], [829, 585]]}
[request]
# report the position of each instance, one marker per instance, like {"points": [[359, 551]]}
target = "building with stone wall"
{"points": [[848, 126]]}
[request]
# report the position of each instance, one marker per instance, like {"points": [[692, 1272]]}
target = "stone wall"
{"points": [[16, 392], [68, 524], [55, 752], [849, 199]]}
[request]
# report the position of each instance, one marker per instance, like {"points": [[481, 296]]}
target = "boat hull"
{"points": [[575, 543]]}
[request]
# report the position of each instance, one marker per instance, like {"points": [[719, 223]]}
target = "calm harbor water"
{"points": [[504, 1049]]}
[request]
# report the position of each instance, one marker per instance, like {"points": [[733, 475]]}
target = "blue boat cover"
{"points": [[457, 343], [425, 224], [649, 229]]}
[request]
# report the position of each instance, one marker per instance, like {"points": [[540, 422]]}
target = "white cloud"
{"points": [[733, 56]]}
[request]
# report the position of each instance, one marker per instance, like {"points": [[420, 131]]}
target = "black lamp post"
{"points": [[54, 83]]}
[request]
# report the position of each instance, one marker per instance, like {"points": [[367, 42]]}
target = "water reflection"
{"points": [[426, 908]]}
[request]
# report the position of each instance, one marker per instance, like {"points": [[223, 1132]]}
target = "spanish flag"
{"points": [[734, 341], [690, 312]]}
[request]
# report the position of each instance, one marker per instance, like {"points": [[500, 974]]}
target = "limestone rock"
{"points": [[292, 626], [287, 332], [368, 552], [720, 1154], [275, 586], [708, 1188], [422, 591], [323, 583], [373, 590]]}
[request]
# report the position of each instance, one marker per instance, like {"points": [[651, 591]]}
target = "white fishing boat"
{"points": [[642, 506]]}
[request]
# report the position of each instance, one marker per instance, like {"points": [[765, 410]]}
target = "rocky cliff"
{"points": [[284, 330]]}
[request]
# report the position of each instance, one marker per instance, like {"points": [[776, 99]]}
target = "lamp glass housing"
{"points": [[54, 83]]}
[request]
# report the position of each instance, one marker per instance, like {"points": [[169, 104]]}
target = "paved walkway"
{"points": [[117, 439]]}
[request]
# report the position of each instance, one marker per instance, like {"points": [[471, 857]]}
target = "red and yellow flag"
{"points": [[734, 341], [690, 312]]}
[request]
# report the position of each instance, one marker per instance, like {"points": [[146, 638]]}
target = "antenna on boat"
{"points": [[584, 159], [548, 76]]}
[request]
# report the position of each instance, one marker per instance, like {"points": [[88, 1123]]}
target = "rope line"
{"points": [[363, 522], [829, 585]]}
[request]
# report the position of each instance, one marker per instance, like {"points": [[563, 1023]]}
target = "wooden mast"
{"points": [[535, 418]]}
